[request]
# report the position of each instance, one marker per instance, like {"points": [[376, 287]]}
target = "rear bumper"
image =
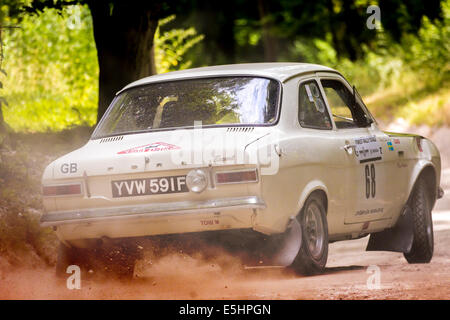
{"points": [[155, 218]]}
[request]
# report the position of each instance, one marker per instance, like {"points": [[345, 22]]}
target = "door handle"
{"points": [[349, 148]]}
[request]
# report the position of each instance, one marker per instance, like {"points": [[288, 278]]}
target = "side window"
{"points": [[346, 113], [312, 112]]}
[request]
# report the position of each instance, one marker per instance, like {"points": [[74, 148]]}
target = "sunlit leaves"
{"points": [[53, 71], [171, 46]]}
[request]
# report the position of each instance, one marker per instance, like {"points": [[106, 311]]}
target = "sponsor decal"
{"points": [[367, 149], [152, 147], [209, 222], [369, 211], [390, 146]]}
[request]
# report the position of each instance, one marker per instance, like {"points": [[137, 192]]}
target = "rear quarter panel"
{"points": [[414, 162]]}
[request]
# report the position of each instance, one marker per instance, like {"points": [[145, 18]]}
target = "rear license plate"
{"points": [[148, 186]]}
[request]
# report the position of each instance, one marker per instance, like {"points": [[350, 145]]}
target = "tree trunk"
{"points": [[1, 60], [123, 34], [332, 28], [269, 41], [3, 132]]}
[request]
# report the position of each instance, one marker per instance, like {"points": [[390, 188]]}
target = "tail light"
{"points": [[243, 176], [62, 190]]}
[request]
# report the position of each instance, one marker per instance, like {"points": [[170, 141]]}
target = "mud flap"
{"points": [[397, 239], [282, 249]]}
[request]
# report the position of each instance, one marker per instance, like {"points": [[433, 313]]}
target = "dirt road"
{"points": [[177, 276]]}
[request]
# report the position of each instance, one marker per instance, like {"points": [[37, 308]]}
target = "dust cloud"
{"points": [[162, 273]]}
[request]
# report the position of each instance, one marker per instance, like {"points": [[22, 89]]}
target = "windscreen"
{"points": [[177, 104]]}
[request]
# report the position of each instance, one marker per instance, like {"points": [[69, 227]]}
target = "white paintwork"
{"points": [[308, 160]]}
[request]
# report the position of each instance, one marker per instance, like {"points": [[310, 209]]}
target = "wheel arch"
{"points": [[400, 237], [428, 173], [313, 187], [309, 262]]}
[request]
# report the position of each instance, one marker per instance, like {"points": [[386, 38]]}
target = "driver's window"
{"points": [[346, 113]]}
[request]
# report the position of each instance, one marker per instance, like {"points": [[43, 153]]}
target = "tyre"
{"points": [[423, 238], [312, 256]]}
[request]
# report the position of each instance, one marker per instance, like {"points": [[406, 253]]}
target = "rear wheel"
{"points": [[423, 240], [313, 253]]}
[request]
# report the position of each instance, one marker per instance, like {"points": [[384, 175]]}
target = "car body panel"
{"points": [[291, 161]]}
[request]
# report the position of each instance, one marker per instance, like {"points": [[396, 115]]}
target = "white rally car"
{"points": [[284, 156]]}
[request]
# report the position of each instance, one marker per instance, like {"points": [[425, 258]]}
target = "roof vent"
{"points": [[111, 139]]}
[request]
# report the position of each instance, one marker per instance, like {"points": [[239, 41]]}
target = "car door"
{"points": [[364, 152], [395, 169], [320, 154]]}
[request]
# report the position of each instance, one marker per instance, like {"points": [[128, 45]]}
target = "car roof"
{"points": [[281, 71]]}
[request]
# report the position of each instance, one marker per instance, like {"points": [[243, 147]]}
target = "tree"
{"points": [[400, 16], [124, 29], [2, 100], [276, 24], [123, 33], [13, 9]]}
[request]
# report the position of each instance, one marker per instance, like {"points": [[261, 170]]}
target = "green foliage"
{"points": [[171, 46], [415, 84], [377, 70], [315, 51], [52, 62], [53, 71], [2, 99], [3, 102], [409, 79], [429, 51]]}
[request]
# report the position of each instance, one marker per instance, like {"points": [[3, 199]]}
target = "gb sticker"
{"points": [[69, 167]]}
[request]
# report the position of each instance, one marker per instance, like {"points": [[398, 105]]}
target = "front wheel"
{"points": [[312, 256]]}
